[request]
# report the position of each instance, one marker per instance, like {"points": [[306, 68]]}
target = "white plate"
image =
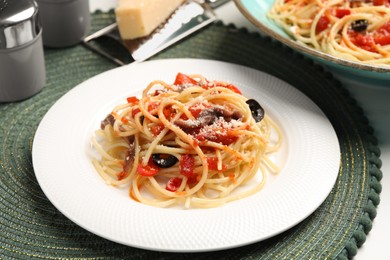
{"points": [[310, 158]]}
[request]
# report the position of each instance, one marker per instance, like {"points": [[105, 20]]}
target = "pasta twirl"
{"points": [[191, 143], [351, 29]]}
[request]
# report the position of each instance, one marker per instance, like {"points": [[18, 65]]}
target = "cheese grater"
{"points": [[188, 18]]}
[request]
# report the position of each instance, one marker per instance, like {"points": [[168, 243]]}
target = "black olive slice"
{"points": [[256, 109], [164, 160], [359, 25]]}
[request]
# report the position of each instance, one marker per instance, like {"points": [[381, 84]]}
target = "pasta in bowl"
{"points": [[351, 37], [196, 143]]}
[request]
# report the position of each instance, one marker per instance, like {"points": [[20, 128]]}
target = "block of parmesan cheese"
{"points": [[138, 18]]}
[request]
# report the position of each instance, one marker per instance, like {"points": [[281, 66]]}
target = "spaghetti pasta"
{"points": [[193, 143], [356, 30]]}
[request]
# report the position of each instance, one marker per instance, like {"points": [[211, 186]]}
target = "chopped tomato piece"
{"points": [[184, 117], [340, 13], [223, 136], [173, 184], [148, 170], [224, 85], [382, 39], [157, 92], [382, 35], [182, 79], [132, 100], [200, 137], [233, 88], [124, 120], [227, 138], [195, 111], [213, 164], [323, 23], [365, 42], [380, 2], [193, 179], [384, 28], [153, 105], [186, 165], [156, 129], [168, 112], [135, 112], [197, 108]]}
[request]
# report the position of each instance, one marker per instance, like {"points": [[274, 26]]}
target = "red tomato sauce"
{"points": [[370, 40]]}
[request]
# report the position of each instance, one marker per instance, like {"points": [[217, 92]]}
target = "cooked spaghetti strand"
{"points": [[193, 143], [350, 29]]}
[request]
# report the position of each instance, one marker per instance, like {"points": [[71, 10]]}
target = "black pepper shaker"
{"points": [[64, 22], [22, 67]]}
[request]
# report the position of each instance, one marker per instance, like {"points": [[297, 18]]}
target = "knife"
{"points": [[188, 18]]}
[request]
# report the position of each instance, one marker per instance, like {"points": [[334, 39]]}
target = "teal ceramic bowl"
{"points": [[256, 12]]}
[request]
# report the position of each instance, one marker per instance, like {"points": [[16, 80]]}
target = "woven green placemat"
{"points": [[31, 227]]}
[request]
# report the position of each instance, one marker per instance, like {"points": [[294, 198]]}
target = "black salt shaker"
{"points": [[22, 67], [64, 22]]}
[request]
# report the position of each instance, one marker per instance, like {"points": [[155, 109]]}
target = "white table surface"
{"points": [[375, 100]]}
